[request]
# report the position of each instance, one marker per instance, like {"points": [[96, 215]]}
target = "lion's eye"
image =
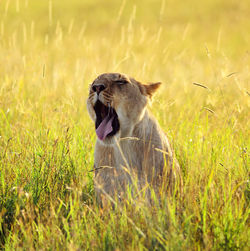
{"points": [[121, 82]]}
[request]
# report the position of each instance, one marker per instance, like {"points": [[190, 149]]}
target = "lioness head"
{"points": [[116, 103]]}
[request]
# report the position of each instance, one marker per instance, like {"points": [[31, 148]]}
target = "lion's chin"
{"points": [[109, 141]]}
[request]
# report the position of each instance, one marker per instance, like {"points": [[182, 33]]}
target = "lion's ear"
{"points": [[151, 88]]}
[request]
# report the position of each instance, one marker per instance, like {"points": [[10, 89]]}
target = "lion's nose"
{"points": [[98, 88]]}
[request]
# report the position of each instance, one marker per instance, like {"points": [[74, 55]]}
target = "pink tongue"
{"points": [[105, 128]]}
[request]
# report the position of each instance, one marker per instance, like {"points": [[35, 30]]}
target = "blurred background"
{"points": [[171, 41]]}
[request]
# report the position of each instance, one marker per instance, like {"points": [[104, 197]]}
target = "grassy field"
{"points": [[51, 50]]}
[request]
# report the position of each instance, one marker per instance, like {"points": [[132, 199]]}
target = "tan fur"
{"points": [[140, 151]]}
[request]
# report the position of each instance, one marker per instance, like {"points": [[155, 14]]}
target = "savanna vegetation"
{"points": [[51, 50]]}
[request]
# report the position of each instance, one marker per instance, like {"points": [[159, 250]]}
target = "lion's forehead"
{"points": [[110, 77]]}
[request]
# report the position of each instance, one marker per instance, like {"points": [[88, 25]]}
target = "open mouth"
{"points": [[107, 123]]}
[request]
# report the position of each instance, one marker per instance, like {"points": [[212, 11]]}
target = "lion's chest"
{"points": [[128, 154]]}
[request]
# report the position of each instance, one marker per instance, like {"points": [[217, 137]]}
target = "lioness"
{"points": [[131, 149]]}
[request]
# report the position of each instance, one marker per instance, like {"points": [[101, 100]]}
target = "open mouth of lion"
{"points": [[107, 123]]}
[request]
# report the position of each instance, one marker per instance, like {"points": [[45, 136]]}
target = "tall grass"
{"points": [[50, 51]]}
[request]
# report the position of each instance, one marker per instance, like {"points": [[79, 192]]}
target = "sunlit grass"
{"points": [[50, 51]]}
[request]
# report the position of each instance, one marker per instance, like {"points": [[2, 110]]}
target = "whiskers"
{"points": [[104, 97], [107, 95], [107, 99], [91, 95]]}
